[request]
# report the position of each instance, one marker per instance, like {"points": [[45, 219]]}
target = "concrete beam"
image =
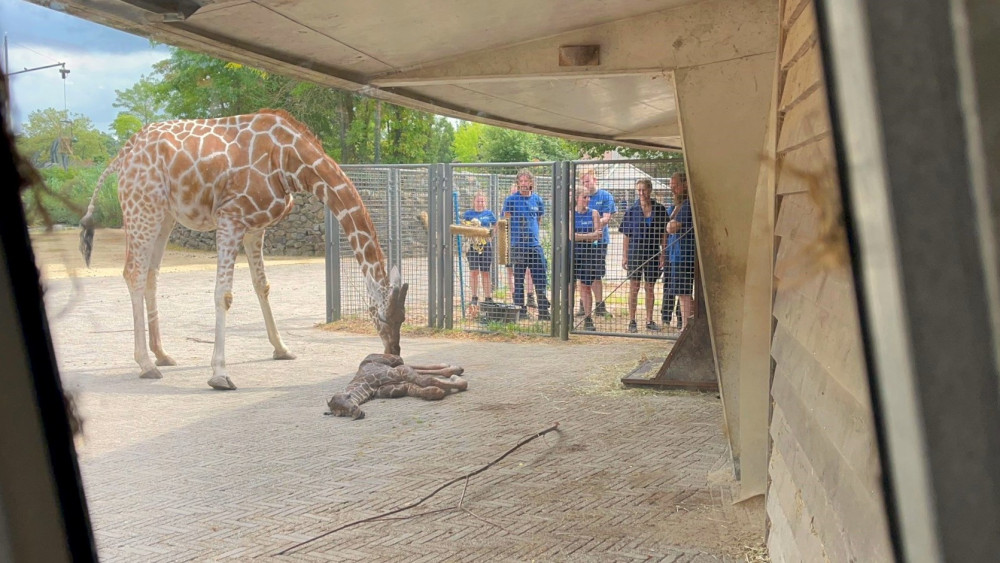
{"points": [[723, 111]]}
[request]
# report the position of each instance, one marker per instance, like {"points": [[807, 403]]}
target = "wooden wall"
{"points": [[824, 497]]}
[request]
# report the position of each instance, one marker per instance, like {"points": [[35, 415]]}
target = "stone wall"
{"points": [[298, 234]]}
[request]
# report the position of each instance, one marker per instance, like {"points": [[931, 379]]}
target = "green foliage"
{"points": [[475, 142], [76, 185], [142, 101], [124, 126], [468, 142], [72, 134]]}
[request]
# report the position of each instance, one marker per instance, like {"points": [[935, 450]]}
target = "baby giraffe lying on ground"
{"points": [[386, 377]]}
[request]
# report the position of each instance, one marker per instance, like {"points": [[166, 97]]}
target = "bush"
{"points": [[76, 185]]}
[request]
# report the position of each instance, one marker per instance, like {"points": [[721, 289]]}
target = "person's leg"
{"points": [[474, 282], [487, 285], [529, 283], [519, 269], [650, 302], [540, 277], [600, 270], [687, 308], [633, 297]]}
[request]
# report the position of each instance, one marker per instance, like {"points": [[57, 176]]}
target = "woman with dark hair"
{"points": [[645, 230]]}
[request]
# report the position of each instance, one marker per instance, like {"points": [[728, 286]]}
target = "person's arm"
{"points": [[598, 233], [625, 252], [663, 239]]}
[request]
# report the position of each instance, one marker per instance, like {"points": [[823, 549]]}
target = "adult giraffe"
{"points": [[235, 175]]}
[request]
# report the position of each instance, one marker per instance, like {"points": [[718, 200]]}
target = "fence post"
{"points": [[433, 260], [332, 263], [562, 249], [448, 249]]}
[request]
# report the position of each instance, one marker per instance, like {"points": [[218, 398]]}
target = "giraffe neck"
{"points": [[327, 181]]}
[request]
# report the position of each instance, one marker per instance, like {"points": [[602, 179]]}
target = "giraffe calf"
{"points": [[386, 376]]}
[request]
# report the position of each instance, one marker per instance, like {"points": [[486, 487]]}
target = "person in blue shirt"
{"points": [[604, 203], [524, 210], [645, 233], [678, 277], [480, 252], [585, 235]]}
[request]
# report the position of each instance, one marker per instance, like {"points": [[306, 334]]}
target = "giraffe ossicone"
{"points": [[237, 176]]}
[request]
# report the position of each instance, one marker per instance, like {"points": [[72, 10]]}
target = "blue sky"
{"points": [[100, 59]]}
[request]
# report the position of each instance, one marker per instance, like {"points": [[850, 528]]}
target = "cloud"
{"points": [[100, 60]]}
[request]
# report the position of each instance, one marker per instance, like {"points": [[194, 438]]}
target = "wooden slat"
{"points": [[798, 218], [860, 515], [803, 497], [792, 10], [808, 120], [805, 75], [799, 36], [846, 418], [796, 270], [834, 346], [796, 166], [789, 517]]}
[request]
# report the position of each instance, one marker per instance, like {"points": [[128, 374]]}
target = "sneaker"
{"points": [[531, 300], [632, 328], [588, 324], [488, 300], [581, 313], [652, 327], [475, 301], [600, 310], [522, 315], [544, 316]]}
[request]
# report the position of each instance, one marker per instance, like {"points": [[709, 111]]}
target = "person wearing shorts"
{"points": [[480, 251], [585, 236], [645, 234]]}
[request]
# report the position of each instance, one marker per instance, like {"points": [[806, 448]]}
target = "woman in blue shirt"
{"points": [[679, 276], [585, 235], [645, 230], [524, 210], [480, 249]]}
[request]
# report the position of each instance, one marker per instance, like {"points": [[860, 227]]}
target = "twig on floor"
{"points": [[434, 492]]}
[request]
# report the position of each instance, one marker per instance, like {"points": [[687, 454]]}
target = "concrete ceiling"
{"points": [[497, 62]]}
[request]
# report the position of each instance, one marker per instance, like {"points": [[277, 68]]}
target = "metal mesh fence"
{"points": [[462, 281], [636, 293], [470, 309]]}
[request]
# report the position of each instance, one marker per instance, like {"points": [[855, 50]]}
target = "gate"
{"points": [[413, 208]]}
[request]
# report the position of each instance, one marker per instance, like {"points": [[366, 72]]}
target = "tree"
{"points": [[49, 133], [509, 145], [467, 145], [124, 126], [143, 100]]}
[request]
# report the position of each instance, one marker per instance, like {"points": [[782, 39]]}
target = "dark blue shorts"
{"points": [[584, 262], [642, 267], [481, 261], [678, 278], [601, 260]]}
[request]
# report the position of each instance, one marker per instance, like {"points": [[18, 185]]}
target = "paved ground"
{"points": [[175, 471]]}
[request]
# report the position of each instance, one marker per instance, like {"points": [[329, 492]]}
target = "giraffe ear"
{"points": [[374, 289], [395, 279]]}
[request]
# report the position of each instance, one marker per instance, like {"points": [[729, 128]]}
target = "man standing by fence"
{"points": [[524, 210], [604, 203]]}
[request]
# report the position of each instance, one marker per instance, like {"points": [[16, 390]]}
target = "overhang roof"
{"points": [[503, 62]]}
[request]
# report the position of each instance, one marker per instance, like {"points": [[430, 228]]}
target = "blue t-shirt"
{"points": [[524, 214], [583, 223], [486, 217], [680, 245], [644, 233], [604, 202]]}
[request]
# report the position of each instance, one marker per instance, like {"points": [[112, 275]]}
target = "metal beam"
{"points": [[894, 68]]}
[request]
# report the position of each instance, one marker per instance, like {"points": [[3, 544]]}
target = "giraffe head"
{"points": [[389, 309]]}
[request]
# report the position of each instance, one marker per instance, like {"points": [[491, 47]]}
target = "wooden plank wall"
{"points": [[824, 498]]}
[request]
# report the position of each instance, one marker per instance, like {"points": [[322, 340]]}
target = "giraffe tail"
{"points": [[87, 221]]}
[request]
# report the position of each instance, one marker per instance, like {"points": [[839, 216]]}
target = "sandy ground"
{"points": [[176, 471]]}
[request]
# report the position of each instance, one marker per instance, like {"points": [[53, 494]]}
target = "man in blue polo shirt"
{"points": [[604, 203], [524, 210]]}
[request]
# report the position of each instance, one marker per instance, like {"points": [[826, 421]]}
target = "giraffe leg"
{"points": [[152, 315], [443, 370], [453, 382], [253, 243], [138, 251], [227, 240], [392, 390]]}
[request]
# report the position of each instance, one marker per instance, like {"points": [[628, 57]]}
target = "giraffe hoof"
{"points": [[283, 355], [222, 383], [151, 374], [166, 361]]}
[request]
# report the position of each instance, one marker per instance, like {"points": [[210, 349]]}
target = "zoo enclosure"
{"points": [[413, 206]]}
